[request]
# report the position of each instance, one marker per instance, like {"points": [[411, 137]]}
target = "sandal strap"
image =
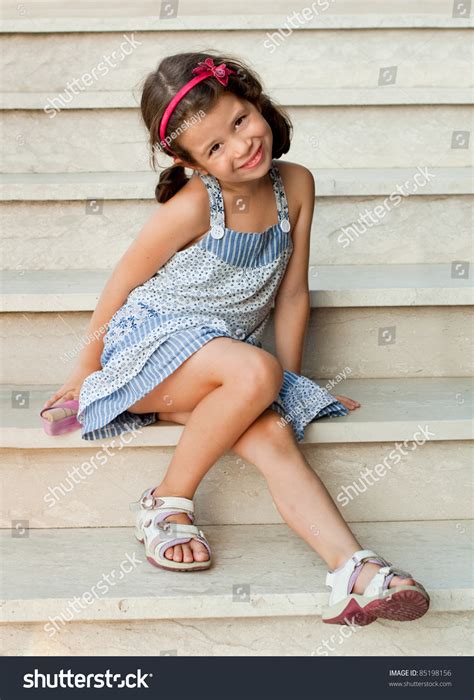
{"points": [[381, 580], [167, 534], [342, 579], [148, 506], [150, 502]]}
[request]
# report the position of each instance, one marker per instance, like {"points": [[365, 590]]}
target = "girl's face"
{"points": [[226, 138]]}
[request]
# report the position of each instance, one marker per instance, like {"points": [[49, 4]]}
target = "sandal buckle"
{"points": [[150, 502], [168, 528]]}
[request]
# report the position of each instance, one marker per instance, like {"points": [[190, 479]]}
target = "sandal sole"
{"points": [[401, 605]]}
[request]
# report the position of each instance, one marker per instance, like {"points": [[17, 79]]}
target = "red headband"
{"points": [[205, 69]]}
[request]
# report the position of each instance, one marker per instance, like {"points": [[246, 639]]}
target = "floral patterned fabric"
{"points": [[224, 285]]}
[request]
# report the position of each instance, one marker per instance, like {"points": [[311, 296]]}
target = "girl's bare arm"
{"points": [[171, 227], [292, 303]]}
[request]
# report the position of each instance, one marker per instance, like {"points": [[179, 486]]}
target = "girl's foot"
{"points": [[192, 551], [367, 572], [363, 591], [165, 525]]}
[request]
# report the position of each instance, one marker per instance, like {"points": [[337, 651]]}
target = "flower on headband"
{"points": [[221, 73]]}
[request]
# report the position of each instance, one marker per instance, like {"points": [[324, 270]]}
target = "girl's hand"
{"points": [[348, 403], [72, 386]]}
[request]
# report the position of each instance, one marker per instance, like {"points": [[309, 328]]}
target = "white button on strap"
{"points": [[285, 225], [217, 231]]}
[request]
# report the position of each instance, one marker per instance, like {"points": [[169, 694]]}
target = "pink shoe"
{"points": [[377, 600], [62, 424]]}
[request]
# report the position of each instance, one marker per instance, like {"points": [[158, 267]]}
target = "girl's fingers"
{"points": [[55, 397], [349, 403]]}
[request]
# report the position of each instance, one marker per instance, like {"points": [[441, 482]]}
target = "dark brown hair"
{"points": [[161, 86]]}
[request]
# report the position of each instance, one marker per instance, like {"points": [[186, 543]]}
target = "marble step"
{"points": [[418, 431], [263, 595], [49, 16], [115, 141], [391, 409], [330, 182], [366, 342], [288, 96], [359, 230], [383, 66], [330, 286]]}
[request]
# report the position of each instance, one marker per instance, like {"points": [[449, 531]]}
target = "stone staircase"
{"points": [[380, 100]]}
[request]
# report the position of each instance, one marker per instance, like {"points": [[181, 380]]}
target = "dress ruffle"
{"points": [[302, 401]]}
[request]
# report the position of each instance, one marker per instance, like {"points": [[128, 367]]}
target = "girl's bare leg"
{"points": [[298, 493], [227, 385]]}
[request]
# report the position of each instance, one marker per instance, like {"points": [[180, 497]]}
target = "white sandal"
{"points": [[158, 536], [377, 600]]}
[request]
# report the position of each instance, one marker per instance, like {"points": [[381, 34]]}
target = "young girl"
{"points": [[185, 311]]}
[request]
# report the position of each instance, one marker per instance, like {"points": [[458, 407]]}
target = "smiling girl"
{"points": [[185, 310]]}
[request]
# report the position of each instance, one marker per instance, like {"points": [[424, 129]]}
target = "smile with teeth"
{"points": [[255, 160]]}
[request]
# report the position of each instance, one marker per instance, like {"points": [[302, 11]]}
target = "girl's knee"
{"points": [[275, 431], [267, 436], [265, 374]]}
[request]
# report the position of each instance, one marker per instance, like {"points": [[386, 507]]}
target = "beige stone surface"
{"points": [[75, 488], [330, 286], [391, 409], [308, 58], [444, 634], [93, 574], [421, 229], [427, 342], [111, 140], [330, 182]]}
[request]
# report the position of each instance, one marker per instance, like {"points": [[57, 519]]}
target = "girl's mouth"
{"points": [[255, 160]]}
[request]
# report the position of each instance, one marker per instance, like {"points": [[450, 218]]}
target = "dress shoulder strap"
{"points": [[216, 201], [216, 205], [281, 200]]}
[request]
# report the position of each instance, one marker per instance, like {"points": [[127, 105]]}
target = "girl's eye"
{"points": [[211, 151]]}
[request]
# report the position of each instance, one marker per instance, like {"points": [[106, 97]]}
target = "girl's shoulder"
{"points": [[295, 175], [299, 185]]}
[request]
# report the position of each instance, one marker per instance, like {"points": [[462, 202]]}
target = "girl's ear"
{"points": [[184, 164]]}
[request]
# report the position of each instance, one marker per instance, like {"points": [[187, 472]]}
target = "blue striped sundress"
{"points": [[224, 285]]}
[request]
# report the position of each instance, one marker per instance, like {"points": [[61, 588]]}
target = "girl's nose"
{"points": [[243, 149]]}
